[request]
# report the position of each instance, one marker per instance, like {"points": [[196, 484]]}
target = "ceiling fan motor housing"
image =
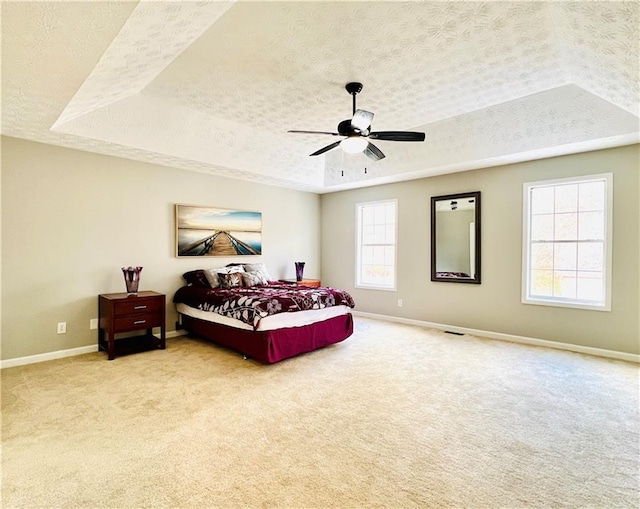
{"points": [[346, 129], [353, 87]]}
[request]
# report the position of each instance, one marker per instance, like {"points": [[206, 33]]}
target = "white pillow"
{"points": [[258, 267], [212, 274], [253, 278]]}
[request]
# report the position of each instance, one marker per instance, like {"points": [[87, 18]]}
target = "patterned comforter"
{"points": [[256, 302]]}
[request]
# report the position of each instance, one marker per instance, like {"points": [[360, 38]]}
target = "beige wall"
{"points": [[495, 304], [71, 219]]}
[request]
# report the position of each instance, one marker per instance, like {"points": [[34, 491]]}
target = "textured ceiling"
{"points": [[214, 86]]}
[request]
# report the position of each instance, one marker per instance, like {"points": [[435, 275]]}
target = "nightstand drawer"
{"points": [[127, 323], [137, 306]]}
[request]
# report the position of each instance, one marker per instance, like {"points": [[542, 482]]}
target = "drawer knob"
{"points": [[140, 307], [139, 322]]}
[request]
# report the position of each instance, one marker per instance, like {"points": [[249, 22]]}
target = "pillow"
{"points": [[253, 279], [258, 267], [230, 280], [212, 274], [196, 278]]}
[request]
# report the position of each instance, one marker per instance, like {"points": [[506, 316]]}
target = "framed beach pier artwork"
{"points": [[209, 231]]}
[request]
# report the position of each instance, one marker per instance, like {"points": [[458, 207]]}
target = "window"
{"points": [[376, 245], [567, 242]]}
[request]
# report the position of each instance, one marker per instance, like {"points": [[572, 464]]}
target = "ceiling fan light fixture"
{"points": [[354, 144]]}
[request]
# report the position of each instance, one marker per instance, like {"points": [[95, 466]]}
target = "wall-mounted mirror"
{"points": [[455, 238]]}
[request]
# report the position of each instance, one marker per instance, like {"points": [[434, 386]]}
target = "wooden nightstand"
{"points": [[121, 312], [311, 283]]}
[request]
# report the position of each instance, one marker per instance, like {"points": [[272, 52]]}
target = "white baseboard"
{"points": [[49, 356], [600, 352], [60, 354], [176, 333]]}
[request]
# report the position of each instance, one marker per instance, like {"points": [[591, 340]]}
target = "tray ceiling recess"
{"points": [[214, 86]]}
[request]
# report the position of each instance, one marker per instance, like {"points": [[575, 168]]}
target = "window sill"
{"points": [[567, 304], [371, 287]]}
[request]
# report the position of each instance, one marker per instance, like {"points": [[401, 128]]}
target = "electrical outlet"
{"points": [[62, 327], [93, 323], [399, 303]]}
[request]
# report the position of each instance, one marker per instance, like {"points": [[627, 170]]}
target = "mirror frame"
{"points": [[448, 197]]}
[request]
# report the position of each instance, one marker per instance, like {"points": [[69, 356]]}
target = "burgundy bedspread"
{"points": [[251, 304]]}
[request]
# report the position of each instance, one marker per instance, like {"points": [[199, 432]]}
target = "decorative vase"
{"points": [[131, 279], [299, 270]]}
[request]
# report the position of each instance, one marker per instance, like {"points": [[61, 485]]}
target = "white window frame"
{"points": [[608, 240], [359, 245]]}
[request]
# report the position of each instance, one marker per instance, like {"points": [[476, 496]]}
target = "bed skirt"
{"points": [[273, 345]]}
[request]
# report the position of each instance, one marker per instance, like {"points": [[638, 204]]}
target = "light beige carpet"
{"points": [[396, 416]]}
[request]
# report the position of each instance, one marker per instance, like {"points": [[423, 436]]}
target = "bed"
{"points": [[452, 275], [263, 319]]}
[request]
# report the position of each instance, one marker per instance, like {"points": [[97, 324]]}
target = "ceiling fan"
{"points": [[357, 132]]}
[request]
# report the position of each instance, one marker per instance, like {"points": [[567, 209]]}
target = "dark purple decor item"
{"points": [[131, 278], [299, 270]]}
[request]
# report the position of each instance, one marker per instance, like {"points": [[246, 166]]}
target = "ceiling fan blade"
{"points": [[397, 136], [362, 120], [373, 152], [326, 149], [314, 132]]}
